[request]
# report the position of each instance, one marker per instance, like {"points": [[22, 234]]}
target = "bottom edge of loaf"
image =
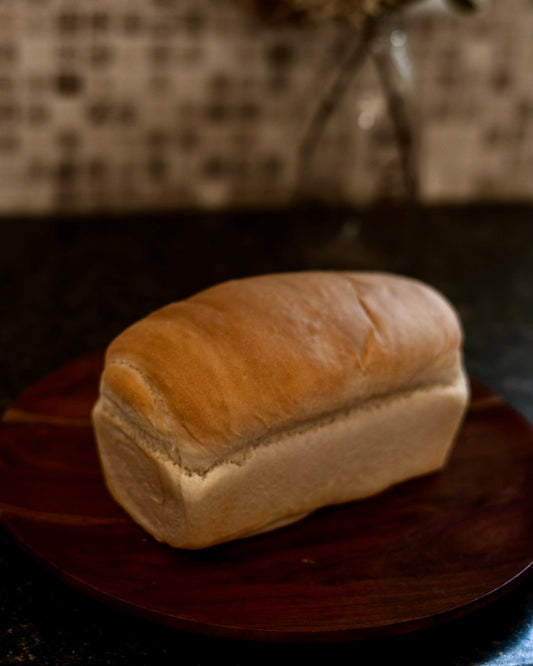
{"points": [[357, 455]]}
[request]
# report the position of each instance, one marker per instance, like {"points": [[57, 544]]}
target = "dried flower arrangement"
{"points": [[363, 16], [296, 11], [355, 12]]}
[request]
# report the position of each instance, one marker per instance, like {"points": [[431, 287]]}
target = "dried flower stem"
{"points": [[352, 63], [402, 126]]}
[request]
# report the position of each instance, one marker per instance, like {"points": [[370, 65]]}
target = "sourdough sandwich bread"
{"points": [[258, 401]]}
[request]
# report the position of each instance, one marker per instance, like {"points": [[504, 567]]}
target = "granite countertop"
{"points": [[71, 284]]}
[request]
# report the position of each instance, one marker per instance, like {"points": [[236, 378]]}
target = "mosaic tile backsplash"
{"points": [[159, 104]]}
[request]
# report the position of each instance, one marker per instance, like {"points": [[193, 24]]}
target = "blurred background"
{"points": [[179, 104]]}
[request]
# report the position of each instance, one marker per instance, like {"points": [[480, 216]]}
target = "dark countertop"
{"points": [[70, 285]]}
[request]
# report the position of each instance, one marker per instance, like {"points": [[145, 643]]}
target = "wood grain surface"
{"points": [[424, 552]]}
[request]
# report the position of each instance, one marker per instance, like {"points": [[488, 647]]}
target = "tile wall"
{"points": [[160, 104]]}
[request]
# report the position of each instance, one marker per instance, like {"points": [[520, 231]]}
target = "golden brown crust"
{"points": [[218, 370]]}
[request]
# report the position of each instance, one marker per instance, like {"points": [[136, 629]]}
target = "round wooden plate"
{"points": [[423, 552]]}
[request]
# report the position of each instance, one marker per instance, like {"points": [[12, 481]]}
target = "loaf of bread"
{"points": [[260, 400]]}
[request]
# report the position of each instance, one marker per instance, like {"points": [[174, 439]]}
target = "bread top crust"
{"points": [[212, 374]]}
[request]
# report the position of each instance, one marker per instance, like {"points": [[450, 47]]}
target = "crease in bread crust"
{"points": [[160, 447]]}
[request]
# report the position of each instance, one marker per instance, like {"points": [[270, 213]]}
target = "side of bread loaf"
{"points": [[260, 400]]}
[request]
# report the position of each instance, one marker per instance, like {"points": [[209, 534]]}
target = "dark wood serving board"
{"points": [[421, 553]]}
